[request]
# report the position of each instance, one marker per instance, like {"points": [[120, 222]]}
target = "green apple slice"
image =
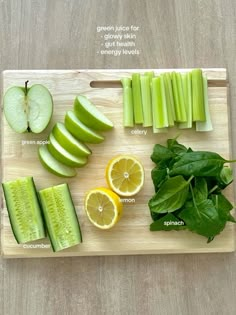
{"points": [[54, 166], [63, 156], [69, 142], [90, 115], [81, 131], [28, 109]]}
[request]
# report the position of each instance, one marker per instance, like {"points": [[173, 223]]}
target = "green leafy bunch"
{"points": [[188, 190]]}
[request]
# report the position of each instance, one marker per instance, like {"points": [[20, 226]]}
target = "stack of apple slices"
{"points": [[67, 148]]}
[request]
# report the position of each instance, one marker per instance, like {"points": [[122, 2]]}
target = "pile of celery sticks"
{"points": [[166, 100]]}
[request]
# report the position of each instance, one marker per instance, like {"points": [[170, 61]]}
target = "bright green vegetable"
{"points": [[170, 96], [168, 103], [180, 108], [128, 109], [160, 118], [171, 195], [60, 217], [146, 100], [188, 185], [137, 98], [198, 163], [207, 124], [24, 209], [198, 97], [187, 91]]}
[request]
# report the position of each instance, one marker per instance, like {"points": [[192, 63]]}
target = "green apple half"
{"points": [[79, 130], [90, 115], [63, 156], [53, 165], [28, 109]]}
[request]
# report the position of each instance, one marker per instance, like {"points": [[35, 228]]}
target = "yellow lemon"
{"points": [[103, 207], [125, 175]]}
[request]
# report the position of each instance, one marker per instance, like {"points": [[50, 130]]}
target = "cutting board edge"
{"points": [[130, 253]]}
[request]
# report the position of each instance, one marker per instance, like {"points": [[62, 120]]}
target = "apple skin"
{"points": [[80, 131], [90, 115], [69, 142], [63, 156], [52, 165], [28, 109]]}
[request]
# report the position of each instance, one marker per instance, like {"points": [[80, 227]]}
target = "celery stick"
{"points": [[198, 98], [187, 90], [137, 99], [207, 124], [178, 97], [160, 118], [146, 100], [169, 108], [150, 74], [128, 111], [169, 89]]}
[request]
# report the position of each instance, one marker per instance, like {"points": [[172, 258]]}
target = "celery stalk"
{"points": [[146, 100], [137, 98], [169, 90], [198, 98], [187, 90], [180, 111], [128, 111], [155, 130], [207, 124], [160, 118], [168, 104], [150, 74]]}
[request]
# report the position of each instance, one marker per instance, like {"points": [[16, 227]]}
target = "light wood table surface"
{"points": [[50, 34]]}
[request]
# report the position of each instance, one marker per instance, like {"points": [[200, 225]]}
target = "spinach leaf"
{"points": [[200, 190], [202, 218], [157, 216], [167, 223], [161, 153], [225, 178], [176, 147], [198, 163], [231, 218], [223, 205], [158, 176], [171, 195]]}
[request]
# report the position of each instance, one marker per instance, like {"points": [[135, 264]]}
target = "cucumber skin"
{"points": [[10, 214], [51, 237]]}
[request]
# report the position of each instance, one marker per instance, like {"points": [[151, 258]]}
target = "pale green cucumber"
{"points": [[69, 142], [53, 165], [24, 210], [63, 156], [60, 217], [79, 130]]}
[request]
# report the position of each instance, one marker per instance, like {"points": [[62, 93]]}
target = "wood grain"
{"points": [[61, 34], [131, 235]]}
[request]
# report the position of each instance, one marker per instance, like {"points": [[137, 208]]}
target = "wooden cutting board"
{"points": [[131, 235]]}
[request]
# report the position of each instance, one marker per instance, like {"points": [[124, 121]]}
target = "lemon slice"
{"points": [[103, 207], [125, 175]]}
